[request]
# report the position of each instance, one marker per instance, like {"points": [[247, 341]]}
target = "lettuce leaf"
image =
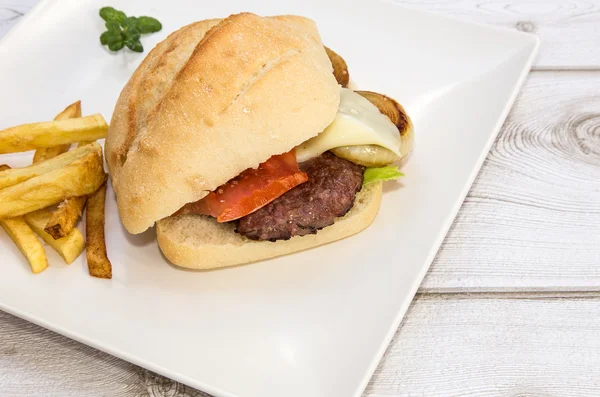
{"points": [[387, 173]]}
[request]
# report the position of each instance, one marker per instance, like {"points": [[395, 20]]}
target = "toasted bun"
{"points": [[213, 99], [199, 242]]}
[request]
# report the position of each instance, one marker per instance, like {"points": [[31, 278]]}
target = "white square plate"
{"points": [[309, 324]]}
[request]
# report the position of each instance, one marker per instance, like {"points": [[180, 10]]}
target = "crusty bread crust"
{"points": [[199, 242], [213, 99]]}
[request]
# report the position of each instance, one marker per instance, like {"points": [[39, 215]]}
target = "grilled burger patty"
{"points": [[329, 193]]}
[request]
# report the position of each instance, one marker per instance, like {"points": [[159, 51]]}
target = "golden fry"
{"points": [[72, 111], [28, 244], [52, 133], [82, 176], [69, 247], [49, 152], [63, 219], [25, 240], [17, 175], [98, 263]]}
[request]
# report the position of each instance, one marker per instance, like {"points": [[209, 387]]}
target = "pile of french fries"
{"points": [[47, 198]]}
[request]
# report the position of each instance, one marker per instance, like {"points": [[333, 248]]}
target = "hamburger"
{"points": [[238, 138]]}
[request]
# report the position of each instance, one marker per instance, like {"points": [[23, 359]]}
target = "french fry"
{"points": [[52, 133], [98, 263], [49, 152], [63, 219], [69, 247], [28, 244], [13, 176], [72, 111], [82, 176], [61, 222], [24, 238]]}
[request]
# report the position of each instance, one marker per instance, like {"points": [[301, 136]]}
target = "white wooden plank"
{"points": [[446, 347], [494, 347], [570, 30], [532, 218]]}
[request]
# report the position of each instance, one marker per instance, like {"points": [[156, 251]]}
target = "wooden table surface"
{"points": [[511, 304]]}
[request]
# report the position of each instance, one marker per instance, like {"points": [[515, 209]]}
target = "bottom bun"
{"points": [[199, 242]]}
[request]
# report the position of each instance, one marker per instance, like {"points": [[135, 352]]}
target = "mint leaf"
{"points": [[110, 14], [148, 25]]}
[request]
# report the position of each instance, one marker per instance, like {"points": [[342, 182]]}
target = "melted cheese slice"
{"points": [[358, 122]]}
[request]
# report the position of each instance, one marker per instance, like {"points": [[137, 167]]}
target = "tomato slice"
{"points": [[251, 190]]}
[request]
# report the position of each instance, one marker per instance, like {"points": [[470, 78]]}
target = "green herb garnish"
{"points": [[123, 31], [110, 14], [148, 25]]}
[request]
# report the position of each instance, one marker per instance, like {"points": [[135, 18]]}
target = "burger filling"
{"points": [[329, 193], [281, 198], [251, 190]]}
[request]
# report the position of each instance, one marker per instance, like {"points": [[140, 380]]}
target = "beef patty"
{"points": [[329, 193]]}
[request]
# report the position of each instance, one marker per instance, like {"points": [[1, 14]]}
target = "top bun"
{"points": [[214, 98]]}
